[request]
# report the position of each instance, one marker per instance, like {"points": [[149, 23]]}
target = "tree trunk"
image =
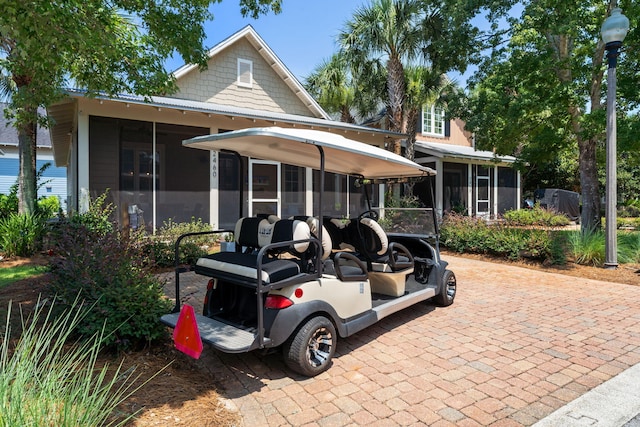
{"points": [[590, 216], [27, 186], [396, 92]]}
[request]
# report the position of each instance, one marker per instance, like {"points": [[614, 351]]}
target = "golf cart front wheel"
{"points": [[448, 291]]}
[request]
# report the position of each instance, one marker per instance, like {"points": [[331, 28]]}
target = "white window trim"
{"points": [[242, 63], [433, 121]]}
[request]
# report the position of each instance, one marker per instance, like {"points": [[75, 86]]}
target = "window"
{"points": [[433, 120], [245, 72]]}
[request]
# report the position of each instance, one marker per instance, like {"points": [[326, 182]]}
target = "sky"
{"points": [[302, 35]]}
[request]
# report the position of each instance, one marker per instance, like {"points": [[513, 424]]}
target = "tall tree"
{"points": [[386, 30], [438, 35], [110, 47], [541, 93]]}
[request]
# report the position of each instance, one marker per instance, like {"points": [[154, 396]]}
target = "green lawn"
{"points": [[12, 274]]}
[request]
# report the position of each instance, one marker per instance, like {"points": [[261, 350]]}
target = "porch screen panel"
{"points": [[455, 194], [293, 191], [229, 170], [104, 134], [507, 191], [183, 177], [136, 173]]}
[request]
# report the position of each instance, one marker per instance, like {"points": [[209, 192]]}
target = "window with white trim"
{"points": [[245, 72], [432, 120]]}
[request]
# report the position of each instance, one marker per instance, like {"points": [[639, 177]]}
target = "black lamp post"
{"points": [[614, 29]]}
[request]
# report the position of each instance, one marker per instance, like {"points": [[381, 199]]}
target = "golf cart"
{"points": [[300, 283]]}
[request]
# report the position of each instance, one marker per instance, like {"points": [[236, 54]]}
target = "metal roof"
{"points": [[213, 108], [441, 150]]}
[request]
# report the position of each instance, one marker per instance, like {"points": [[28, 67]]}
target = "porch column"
{"points": [[439, 187], [471, 206], [518, 190], [82, 164], [214, 205], [495, 191], [308, 192]]}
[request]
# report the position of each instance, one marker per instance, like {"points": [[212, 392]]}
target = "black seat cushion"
{"points": [[244, 266]]}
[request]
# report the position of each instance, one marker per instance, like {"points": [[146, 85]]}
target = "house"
{"points": [[469, 181], [53, 181], [132, 147]]}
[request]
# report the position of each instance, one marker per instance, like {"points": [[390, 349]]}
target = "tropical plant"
{"points": [[388, 31]]}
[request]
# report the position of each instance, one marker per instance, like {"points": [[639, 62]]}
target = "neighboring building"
{"points": [[54, 180], [132, 147], [477, 183]]}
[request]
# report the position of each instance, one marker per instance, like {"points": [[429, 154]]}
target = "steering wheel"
{"points": [[369, 214]]}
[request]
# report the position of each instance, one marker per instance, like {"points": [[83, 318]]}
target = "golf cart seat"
{"points": [[387, 263], [345, 266], [253, 234]]}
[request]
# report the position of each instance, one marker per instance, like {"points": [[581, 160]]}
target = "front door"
{"points": [[264, 188]]}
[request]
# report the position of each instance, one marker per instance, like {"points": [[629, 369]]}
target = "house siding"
{"points": [[456, 135], [218, 84], [52, 183]]}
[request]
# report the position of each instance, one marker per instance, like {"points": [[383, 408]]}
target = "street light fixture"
{"points": [[614, 29]]}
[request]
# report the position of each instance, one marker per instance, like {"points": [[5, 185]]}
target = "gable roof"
{"points": [[9, 134], [271, 58]]}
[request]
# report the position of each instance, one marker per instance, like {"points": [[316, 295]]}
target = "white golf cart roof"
{"points": [[301, 147]]}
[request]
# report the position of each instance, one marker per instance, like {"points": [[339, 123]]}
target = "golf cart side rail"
{"points": [[177, 268], [262, 288]]}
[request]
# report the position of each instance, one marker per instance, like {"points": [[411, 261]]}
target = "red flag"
{"points": [[186, 335]]}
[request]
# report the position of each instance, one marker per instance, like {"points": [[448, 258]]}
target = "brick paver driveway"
{"points": [[516, 345]]}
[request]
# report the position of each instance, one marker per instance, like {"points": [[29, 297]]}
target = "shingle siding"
{"points": [[218, 84]]}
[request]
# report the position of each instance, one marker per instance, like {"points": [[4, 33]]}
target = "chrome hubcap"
{"points": [[319, 347]]}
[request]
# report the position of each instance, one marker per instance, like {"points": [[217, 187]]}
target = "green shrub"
{"points": [[170, 231], [467, 234], [537, 216], [48, 207], [629, 222], [108, 270], [629, 247], [588, 247], [45, 381], [21, 234], [97, 217], [8, 204], [162, 253]]}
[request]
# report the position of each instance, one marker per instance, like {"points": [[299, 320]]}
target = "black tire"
{"points": [[310, 349], [448, 292]]}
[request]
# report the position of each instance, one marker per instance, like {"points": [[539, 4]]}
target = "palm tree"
{"points": [[331, 84], [388, 31], [424, 87]]}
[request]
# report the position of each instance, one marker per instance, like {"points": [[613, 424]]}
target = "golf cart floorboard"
{"points": [[415, 292], [220, 335]]}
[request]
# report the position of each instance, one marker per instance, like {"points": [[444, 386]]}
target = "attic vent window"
{"points": [[245, 72]]}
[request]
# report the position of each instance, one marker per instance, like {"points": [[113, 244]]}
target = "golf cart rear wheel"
{"points": [[310, 349], [448, 292]]}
